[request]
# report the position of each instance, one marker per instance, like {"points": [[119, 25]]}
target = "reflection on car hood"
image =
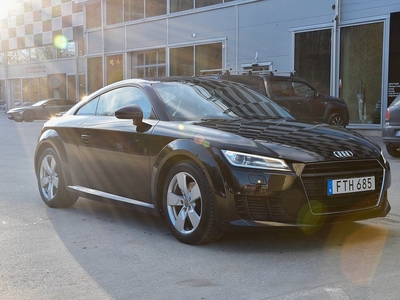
{"points": [[299, 141], [16, 109]]}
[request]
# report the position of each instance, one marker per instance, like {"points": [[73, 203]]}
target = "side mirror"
{"points": [[132, 112]]}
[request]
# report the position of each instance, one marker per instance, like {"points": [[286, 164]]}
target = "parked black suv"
{"points": [[298, 96]]}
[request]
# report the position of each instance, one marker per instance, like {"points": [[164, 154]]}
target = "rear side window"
{"points": [[52, 103], [280, 88], [301, 89]]}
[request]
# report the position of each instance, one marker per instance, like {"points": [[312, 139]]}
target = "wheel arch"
{"points": [[335, 109], [181, 150], [50, 138], [27, 112]]}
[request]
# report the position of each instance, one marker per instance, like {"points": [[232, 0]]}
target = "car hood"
{"points": [[292, 140], [17, 109], [334, 99]]}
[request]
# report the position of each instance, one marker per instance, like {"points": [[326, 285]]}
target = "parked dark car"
{"points": [[391, 128], [210, 156], [298, 96], [42, 110]]}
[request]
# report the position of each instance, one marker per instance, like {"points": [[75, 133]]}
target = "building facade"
{"points": [[64, 48]]}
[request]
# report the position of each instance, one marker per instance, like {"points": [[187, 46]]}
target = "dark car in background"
{"points": [[209, 155], [3, 105], [391, 128], [298, 96], [42, 110]]}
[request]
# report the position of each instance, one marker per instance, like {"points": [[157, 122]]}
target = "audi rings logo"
{"points": [[343, 154]]}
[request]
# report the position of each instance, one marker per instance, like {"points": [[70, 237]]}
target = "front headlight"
{"points": [[246, 160]]}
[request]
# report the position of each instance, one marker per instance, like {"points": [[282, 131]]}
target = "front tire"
{"points": [[393, 151], [51, 181], [188, 204]]}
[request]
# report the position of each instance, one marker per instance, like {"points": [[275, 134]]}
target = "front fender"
{"points": [[51, 138], [336, 108], [179, 150]]}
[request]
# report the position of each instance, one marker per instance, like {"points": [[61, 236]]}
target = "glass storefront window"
{"points": [[180, 5], [313, 58], [34, 89], [115, 71], [45, 53], [202, 3], [192, 59], [361, 53], [16, 92], [155, 8], [93, 15], [94, 74], [133, 10], [114, 11], [81, 47], [43, 90], [82, 86], [67, 52], [182, 61], [208, 57], [148, 63], [71, 87], [23, 56]]}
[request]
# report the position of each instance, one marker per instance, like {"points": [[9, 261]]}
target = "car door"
{"points": [[307, 103], [44, 111], [282, 93], [116, 156]]}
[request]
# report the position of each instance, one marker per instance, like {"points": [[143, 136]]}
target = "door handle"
{"points": [[86, 137]]}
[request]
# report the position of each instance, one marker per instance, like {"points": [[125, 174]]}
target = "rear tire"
{"points": [[393, 151], [188, 203], [51, 181], [28, 116]]}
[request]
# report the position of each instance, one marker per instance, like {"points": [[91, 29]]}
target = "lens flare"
{"points": [[60, 41]]}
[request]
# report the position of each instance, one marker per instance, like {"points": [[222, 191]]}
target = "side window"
{"points": [[280, 88], [51, 103], [302, 90], [111, 101], [65, 102], [89, 109]]}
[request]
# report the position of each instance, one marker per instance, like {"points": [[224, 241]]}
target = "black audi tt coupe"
{"points": [[210, 156]]}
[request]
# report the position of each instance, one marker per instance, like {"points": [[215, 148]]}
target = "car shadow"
{"points": [[108, 217], [118, 247]]}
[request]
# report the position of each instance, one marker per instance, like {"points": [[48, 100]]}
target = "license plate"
{"points": [[351, 185]]}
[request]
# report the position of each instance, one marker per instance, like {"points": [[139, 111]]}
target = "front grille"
{"points": [[315, 177]]}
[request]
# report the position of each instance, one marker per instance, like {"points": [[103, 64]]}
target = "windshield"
{"points": [[215, 99]]}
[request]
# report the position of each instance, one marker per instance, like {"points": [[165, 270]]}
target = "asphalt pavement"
{"points": [[98, 251]]}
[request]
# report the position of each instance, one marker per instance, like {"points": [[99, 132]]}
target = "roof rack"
{"points": [[229, 71]]}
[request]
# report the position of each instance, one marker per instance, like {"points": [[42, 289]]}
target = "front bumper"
{"points": [[14, 116], [302, 200]]}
